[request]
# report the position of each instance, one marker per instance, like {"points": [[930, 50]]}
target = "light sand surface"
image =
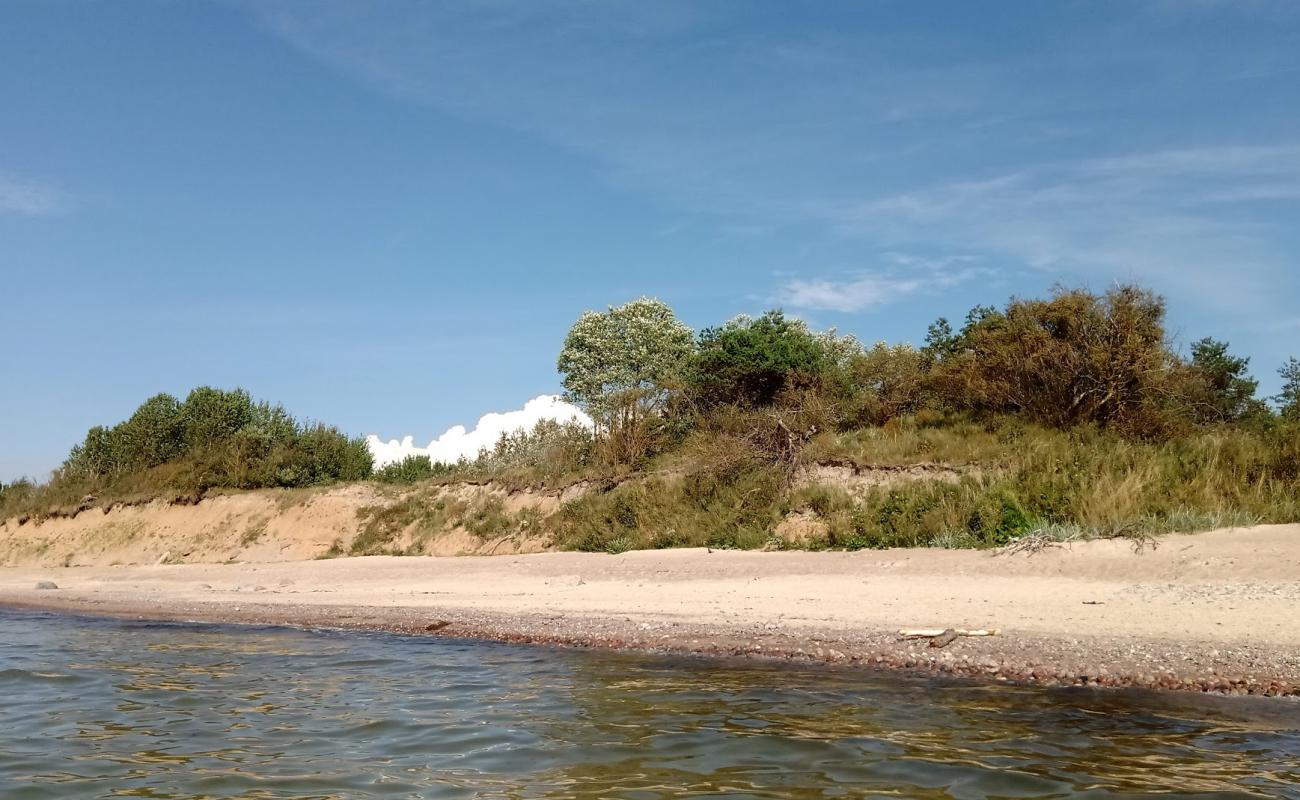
{"points": [[259, 526], [1218, 611]]}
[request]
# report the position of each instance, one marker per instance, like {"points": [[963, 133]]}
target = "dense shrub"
{"points": [[412, 469], [15, 496], [1072, 359], [885, 382], [748, 362], [550, 446], [214, 439]]}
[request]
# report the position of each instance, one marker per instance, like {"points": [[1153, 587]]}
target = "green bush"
{"points": [[550, 449], [215, 439], [748, 362], [412, 469]]}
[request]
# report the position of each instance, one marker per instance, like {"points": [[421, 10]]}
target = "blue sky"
{"points": [[386, 215]]}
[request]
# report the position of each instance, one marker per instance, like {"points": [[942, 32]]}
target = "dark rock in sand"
{"points": [[46, 585]]}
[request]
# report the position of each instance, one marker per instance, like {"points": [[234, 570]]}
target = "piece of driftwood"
{"points": [[930, 633], [945, 637]]}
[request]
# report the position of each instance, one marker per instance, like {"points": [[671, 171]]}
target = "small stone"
{"points": [[46, 585]]}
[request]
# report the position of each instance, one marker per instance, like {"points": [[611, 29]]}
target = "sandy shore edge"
{"points": [[1120, 663], [1216, 630]]}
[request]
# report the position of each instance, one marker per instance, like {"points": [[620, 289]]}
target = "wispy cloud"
{"points": [[1212, 219], [624, 84], [904, 276], [29, 197], [878, 140]]}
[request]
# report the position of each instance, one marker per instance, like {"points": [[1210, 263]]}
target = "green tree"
{"points": [[940, 340], [153, 435], [749, 361], [1229, 392], [621, 364], [1288, 399], [95, 457], [212, 415]]}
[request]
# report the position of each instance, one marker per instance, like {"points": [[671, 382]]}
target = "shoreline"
{"points": [[1043, 662], [1207, 612]]}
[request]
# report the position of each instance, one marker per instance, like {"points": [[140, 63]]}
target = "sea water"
{"points": [[93, 707]]}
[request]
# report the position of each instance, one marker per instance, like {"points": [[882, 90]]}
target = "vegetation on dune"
{"points": [[1055, 418], [214, 439], [1066, 417], [1016, 479], [1288, 400], [412, 469], [623, 366]]}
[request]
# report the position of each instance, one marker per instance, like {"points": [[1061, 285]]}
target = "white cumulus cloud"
{"points": [[458, 443]]}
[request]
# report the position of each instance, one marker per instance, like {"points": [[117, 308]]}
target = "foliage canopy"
{"points": [[215, 438], [624, 361], [749, 361]]}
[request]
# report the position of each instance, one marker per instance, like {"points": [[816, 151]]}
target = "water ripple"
{"points": [[125, 709]]}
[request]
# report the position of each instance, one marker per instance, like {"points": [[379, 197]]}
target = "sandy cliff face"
{"points": [[263, 526], [253, 526], [356, 519]]}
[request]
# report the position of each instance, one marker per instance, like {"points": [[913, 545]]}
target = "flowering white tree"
{"points": [[620, 364]]}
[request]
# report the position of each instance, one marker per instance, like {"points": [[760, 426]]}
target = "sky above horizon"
{"points": [[386, 215]]}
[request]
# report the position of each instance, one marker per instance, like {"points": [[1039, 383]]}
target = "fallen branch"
{"points": [[945, 637], [930, 633]]}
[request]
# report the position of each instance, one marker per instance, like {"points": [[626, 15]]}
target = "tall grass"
{"points": [[735, 507], [1018, 480]]}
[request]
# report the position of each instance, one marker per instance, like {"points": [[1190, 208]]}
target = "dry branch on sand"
{"points": [[942, 637]]}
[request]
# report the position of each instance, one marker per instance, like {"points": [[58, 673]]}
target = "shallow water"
{"points": [[102, 708]]}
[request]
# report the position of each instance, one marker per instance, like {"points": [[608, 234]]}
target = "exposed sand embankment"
{"points": [[273, 525], [1215, 611], [261, 526]]}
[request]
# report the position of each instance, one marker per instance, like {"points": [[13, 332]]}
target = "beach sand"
{"points": [[1214, 611]]}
